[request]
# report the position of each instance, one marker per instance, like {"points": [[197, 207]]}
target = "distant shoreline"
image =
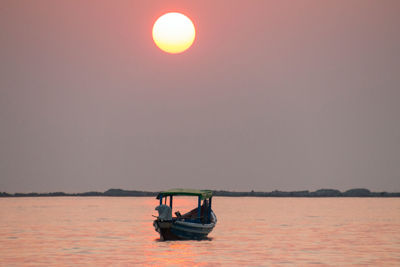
{"points": [[358, 192]]}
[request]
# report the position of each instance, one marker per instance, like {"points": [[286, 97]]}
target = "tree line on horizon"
{"points": [[358, 192]]}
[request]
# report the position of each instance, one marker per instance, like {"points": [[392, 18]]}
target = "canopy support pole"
{"points": [[209, 209], [199, 209]]}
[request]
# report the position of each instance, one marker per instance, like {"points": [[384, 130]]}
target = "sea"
{"points": [[251, 231]]}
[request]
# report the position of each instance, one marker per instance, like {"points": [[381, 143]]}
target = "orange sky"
{"points": [[286, 95]]}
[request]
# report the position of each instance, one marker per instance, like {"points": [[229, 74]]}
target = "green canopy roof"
{"points": [[186, 192]]}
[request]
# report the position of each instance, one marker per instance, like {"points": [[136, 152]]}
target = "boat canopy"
{"points": [[203, 194]]}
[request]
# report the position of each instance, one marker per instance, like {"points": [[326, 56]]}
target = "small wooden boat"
{"points": [[196, 224]]}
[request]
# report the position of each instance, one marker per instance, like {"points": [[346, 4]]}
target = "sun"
{"points": [[173, 33]]}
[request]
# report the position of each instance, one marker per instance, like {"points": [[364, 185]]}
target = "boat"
{"points": [[193, 225]]}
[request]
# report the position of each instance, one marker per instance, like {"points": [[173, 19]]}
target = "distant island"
{"points": [[358, 192]]}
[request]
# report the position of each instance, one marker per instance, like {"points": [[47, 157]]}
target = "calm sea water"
{"points": [[101, 231]]}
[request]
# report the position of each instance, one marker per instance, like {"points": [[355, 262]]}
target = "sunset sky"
{"points": [[286, 95]]}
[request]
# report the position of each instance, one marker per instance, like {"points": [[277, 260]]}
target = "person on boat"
{"points": [[164, 212]]}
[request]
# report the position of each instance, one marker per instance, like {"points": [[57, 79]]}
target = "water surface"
{"points": [[103, 231]]}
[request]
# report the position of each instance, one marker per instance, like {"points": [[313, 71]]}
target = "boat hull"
{"points": [[164, 229], [183, 230]]}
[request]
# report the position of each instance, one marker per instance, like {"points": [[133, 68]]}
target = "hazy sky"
{"points": [[286, 95]]}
